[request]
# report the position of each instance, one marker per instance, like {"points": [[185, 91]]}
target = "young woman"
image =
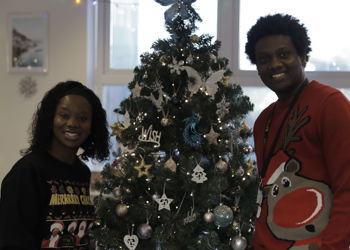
{"points": [[48, 188]]}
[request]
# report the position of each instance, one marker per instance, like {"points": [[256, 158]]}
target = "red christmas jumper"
{"points": [[307, 184]]}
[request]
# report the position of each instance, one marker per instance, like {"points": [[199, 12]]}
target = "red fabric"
{"points": [[322, 148]]}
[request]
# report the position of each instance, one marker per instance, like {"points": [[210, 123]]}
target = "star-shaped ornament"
{"points": [[143, 169], [164, 202], [136, 91], [117, 129], [212, 136]]}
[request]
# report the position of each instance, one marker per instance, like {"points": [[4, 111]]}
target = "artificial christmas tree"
{"points": [[184, 178]]}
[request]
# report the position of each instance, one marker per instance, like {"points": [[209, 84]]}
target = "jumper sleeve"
{"points": [[335, 123], [19, 209]]}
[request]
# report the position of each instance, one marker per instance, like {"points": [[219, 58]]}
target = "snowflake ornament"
{"points": [[176, 67], [223, 108]]}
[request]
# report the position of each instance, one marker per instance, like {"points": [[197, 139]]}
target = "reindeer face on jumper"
{"points": [[298, 207]]}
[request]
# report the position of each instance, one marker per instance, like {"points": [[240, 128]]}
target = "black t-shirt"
{"points": [[45, 203]]}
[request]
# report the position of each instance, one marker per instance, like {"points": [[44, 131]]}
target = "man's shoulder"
{"points": [[322, 88]]}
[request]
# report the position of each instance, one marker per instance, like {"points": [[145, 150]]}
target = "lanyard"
{"points": [[268, 124]]}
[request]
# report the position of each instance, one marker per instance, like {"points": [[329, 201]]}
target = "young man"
{"points": [[302, 144]]}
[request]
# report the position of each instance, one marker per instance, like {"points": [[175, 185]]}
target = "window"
{"points": [[135, 24], [330, 44]]}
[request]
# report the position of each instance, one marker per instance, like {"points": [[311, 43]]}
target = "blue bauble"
{"points": [[223, 216]]}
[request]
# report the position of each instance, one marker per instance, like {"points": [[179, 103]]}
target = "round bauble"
{"points": [[239, 242], [223, 216], [121, 209], [144, 231], [208, 217], [221, 166]]}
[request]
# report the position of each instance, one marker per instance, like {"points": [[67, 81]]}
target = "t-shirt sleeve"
{"points": [[335, 120], [19, 209]]}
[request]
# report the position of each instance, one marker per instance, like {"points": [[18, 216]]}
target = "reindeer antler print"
{"points": [[294, 124]]}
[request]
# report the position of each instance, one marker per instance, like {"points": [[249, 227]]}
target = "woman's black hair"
{"points": [[97, 144], [278, 24]]}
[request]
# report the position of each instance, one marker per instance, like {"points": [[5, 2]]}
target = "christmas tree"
{"points": [[185, 177]]}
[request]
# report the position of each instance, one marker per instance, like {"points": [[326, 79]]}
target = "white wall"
{"points": [[67, 60]]}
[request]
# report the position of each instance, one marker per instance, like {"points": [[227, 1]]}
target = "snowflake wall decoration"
{"points": [[27, 86]]}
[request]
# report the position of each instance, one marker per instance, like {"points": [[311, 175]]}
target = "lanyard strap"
{"points": [[268, 124]]}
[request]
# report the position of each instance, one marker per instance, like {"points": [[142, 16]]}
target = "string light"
{"points": [[77, 1]]}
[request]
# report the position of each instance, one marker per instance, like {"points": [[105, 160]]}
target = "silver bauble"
{"points": [[121, 209], [208, 217], [144, 231], [223, 216], [239, 242], [221, 166]]}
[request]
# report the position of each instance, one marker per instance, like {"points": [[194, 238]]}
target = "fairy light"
{"points": [[77, 2]]}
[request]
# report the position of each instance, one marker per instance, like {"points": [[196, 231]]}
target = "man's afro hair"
{"points": [[278, 24]]}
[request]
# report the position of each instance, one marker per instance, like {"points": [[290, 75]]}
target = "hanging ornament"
{"points": [[176, 67], [164, 202], [143, 169], [117, 192], [198, 175], [144, 231], [239, 242], [195, 38], [166, 121], [175, 99], [190, 135], [223, 216], [136, 91], [235, 226], [150, 135], [213, 57], [240, 171], [170, 164], [212, 136], [117, 168], [191, 215], [131, 241], [225, 81], [117, 129], [209, 217], [121, 209], [157, 102], [222, 166], [210, 84], [250, 167], [222, 108], [126, 122], [28, 86], [189, 59]]}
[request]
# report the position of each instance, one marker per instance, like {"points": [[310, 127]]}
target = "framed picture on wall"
{"points": [[28, 42]]}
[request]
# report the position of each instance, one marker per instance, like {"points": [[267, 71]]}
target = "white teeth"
{"points": [[71, 134], [278, 75]]}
